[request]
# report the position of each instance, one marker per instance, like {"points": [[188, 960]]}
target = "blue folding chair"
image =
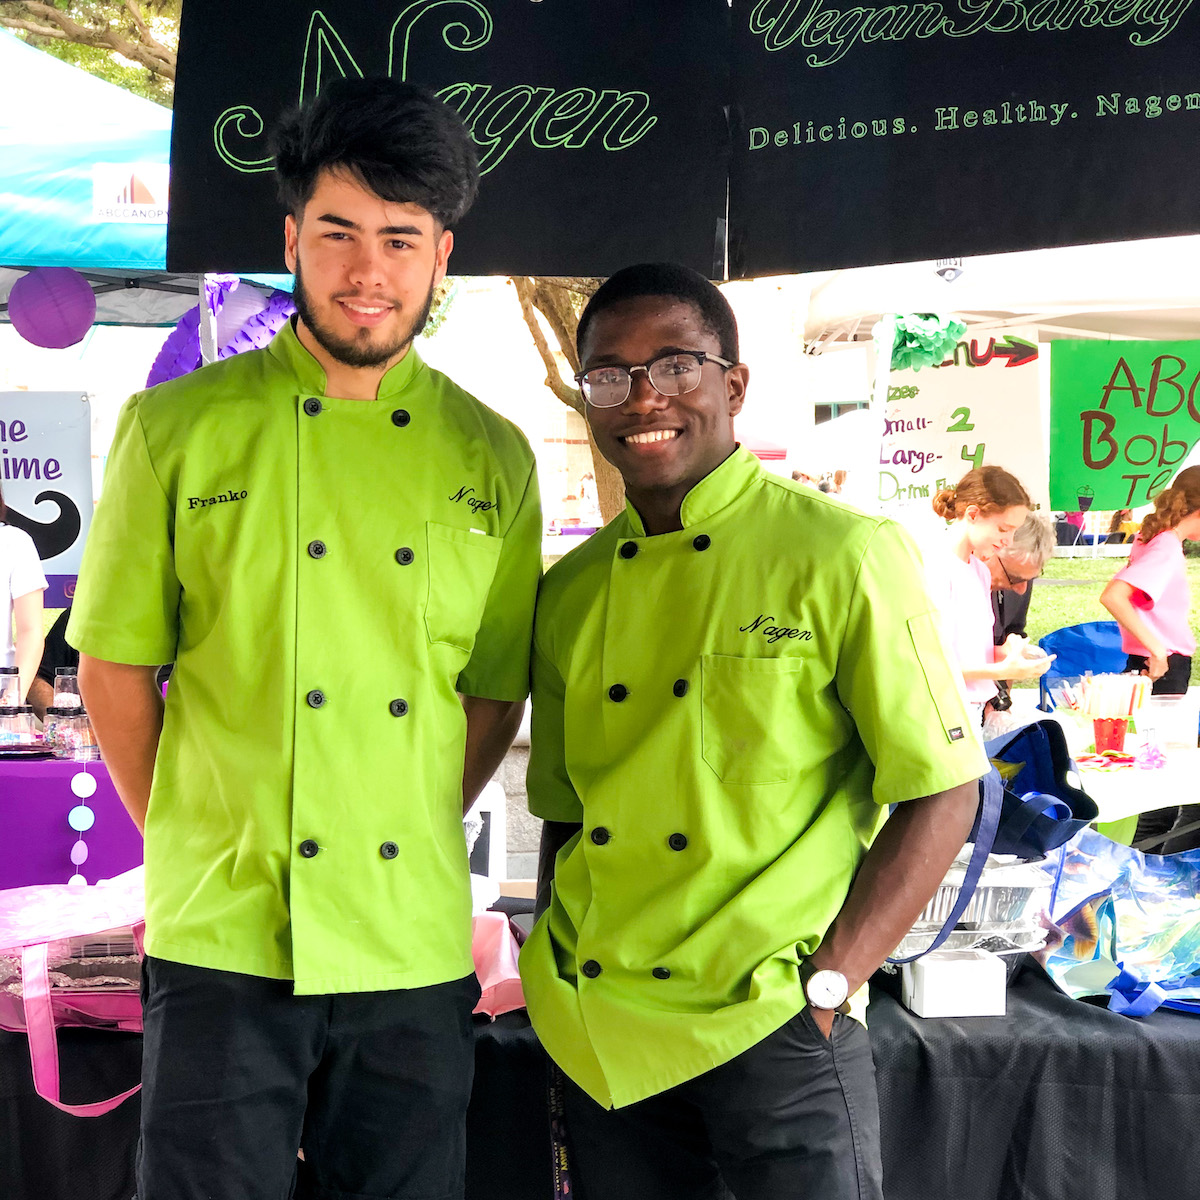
{"points": [[1093, 646]]}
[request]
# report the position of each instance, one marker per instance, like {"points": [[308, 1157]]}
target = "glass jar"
{"points": [[66, 688], [86, 748], [25, 726], [50, 730], [9, 729], [10, 687]]}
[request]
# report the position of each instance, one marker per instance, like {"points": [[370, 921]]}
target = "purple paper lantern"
{"points": [[52, 307]]}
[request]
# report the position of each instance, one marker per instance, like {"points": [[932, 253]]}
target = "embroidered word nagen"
{"points": [[478, 504], [774, 633]]}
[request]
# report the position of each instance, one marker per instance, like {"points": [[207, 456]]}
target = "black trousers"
{"points": [[238, 1073], [1174, 682], [1154, 828], [795, 1117]]}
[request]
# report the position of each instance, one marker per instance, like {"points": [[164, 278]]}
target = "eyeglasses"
{"points": [[673, 374], [1018, 581]]}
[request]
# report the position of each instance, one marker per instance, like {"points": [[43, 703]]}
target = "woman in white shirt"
{"points": [[22, 583], [984, 509]]}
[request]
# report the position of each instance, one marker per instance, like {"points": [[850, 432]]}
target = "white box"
{"points": [[955, 983]]}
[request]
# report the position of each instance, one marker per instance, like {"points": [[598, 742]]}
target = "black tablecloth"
{"points": [[1056, 1101]]}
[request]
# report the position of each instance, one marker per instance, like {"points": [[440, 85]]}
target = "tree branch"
{"points": [[526, 292], [156, 58]]}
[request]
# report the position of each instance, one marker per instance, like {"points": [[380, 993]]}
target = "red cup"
{"points": [[1110, 733]]}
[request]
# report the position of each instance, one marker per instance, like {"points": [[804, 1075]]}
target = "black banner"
{"points": [[600, 126], [877, 133]]}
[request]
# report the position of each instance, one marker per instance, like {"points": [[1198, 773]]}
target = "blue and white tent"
{"points": [[83, 168]]}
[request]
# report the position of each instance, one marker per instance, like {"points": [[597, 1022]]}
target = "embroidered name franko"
{"points": [[223, 498]]}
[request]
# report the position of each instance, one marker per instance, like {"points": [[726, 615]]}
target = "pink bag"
{"points": [[57, 923], [494, 950]]}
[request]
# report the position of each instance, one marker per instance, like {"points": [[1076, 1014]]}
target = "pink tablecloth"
{"points": [[35, 839]]}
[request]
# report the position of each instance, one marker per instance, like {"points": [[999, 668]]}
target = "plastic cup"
{"points": [[1110, 733]]}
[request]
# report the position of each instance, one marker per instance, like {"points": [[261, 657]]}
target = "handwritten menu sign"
{"points": [[879, 133], [1124, 417], [601, 129], [980, 407]]}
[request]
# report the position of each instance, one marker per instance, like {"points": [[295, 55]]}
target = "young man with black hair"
{"points": [[731, 683], [350, 648]]}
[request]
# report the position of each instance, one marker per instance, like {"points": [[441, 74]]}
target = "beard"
{"points": [[358, 351]]}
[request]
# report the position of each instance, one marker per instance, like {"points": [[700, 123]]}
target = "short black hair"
{"points": [[398, 140], [665, 279]]}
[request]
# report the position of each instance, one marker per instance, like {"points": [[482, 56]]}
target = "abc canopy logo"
{"points": [[130, 192]]}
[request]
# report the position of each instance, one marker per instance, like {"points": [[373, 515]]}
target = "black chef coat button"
{"points": [[681, 687], [628, 549], [617, 692], [404, 556], [312, 406], [398, 708], [591, 968], [400, 418], [315, 698], [677, 841], [389, 850], [661, 973], [316, 549], [702, 541], [309, 848], [600, 835]]}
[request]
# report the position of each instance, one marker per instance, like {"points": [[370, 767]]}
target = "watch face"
{"points": [[827, 989]]}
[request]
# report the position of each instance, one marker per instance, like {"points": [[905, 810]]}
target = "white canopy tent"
{"points": [[1144, 289]]}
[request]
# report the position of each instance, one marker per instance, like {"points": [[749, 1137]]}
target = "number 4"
{"points": [[975, 458]]}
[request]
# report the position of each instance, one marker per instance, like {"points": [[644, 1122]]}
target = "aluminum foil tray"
{"points": [[1012, 941], [1008, 897]]}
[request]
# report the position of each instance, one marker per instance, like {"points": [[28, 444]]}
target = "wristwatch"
{"points": [[823, 989]]}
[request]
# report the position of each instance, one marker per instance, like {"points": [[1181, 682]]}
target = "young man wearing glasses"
{"points": [[731, 681]]}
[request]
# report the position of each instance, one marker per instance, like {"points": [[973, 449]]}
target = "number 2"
{"points": [[961, 418]]}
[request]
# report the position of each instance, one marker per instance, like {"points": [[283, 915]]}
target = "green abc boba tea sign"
{"points": [[1123, 418]]}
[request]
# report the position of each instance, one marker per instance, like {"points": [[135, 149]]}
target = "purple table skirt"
{"points": [[35, 839]]}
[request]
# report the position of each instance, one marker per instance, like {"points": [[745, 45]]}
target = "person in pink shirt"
{"points": [[985, 508], [1150, 597]]}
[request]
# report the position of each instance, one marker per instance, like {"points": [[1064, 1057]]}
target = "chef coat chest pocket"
{"points": [[748, 717], [462, 565]]}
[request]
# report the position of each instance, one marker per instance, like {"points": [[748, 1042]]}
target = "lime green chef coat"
{"points": [[724, 708], [325, 574]]}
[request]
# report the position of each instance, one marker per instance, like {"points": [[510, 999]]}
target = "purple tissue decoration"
{"points": [[246, 320]]}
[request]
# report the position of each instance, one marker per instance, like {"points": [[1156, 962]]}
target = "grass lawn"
{"points": [[1069, 594]]}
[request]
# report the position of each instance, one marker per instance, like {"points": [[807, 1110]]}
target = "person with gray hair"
{"points": [[1013, 571]]}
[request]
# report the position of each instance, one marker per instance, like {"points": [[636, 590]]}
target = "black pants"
{"points": [[1174, 682], [795, 1117], [1154, 828], [239, 1073]]}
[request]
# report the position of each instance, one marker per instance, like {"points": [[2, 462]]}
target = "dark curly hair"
{"points": [[1172, 504], [398, 140], [674, 281]]}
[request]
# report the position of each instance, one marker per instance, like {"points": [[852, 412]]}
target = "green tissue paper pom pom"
{"points": [[920, 339]]}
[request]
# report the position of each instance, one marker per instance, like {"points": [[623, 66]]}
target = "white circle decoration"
{"points": [[77, 881], [83, 785]]}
